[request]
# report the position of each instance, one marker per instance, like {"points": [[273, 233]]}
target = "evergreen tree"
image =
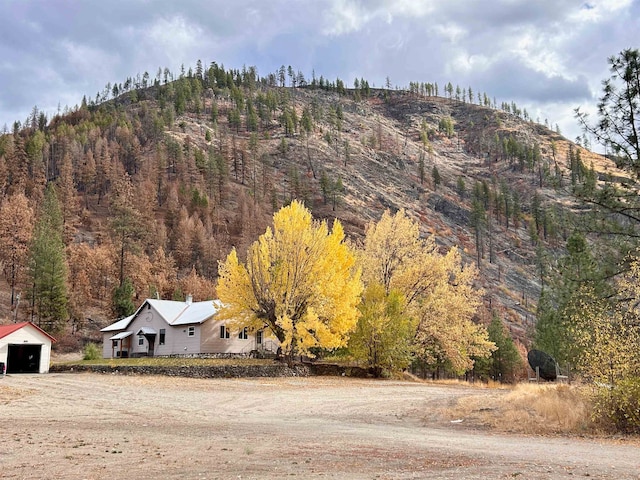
{"points": [[122, 300], [48, 267], [576, 278], [505, 361], [435, 174], [127, 226]]}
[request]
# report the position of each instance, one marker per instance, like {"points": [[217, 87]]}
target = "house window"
{"points": [[114, 343], [163, 333], [244, 334], [224, 332], [192, 331], [259, 337], [140, 340]]}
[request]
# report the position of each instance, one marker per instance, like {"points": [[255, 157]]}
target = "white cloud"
{"points": [[349, 16], [87, 61], [533, 52], [468, 64], [450, 31], [172, 38]]}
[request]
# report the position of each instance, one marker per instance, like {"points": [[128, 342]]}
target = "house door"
{"points": [[151, 339], [24, 358]]}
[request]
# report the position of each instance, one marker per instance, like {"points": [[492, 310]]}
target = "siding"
{"points": [[177, 339], [212, 343], [206, 338], [106, 344]]}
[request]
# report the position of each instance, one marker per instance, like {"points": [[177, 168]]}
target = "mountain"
{"points": [[209, 157]]}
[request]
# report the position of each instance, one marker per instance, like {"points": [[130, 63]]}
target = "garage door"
{"points": [[24, 358]]}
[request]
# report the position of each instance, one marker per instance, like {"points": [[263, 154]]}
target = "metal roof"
{"points": [[120, 336], [9, 329], [119, 325], [173, 312], [147, 331]]}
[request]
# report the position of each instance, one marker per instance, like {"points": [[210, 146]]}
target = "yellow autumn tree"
{"points": [[384, 334], [607, 334], [300, 280], [438, 291]]}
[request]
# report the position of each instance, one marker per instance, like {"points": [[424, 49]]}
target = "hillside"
{"points": [[209, 163]]}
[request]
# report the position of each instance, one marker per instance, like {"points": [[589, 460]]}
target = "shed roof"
{"points": [[121, 335], [14, 327]]}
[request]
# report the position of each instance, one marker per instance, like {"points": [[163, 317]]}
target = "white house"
{"points": [[25, 348], [167, 327]]}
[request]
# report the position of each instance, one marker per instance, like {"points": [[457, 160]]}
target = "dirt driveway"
{"points": [[92, 426]]}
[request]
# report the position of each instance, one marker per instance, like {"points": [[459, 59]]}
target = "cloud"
{"points": [[544, 52], [85, 60], [168, 38], [349, 16]]}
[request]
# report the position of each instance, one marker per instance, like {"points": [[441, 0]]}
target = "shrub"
{"points": [[618, 407], [91, 352]]}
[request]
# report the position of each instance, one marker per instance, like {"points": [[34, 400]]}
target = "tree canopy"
{"points": [[300, 280], [618, 122], [48, 267], [437, 289]]}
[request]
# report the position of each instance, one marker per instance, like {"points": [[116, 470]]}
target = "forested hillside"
{"points": [[154, 181]]}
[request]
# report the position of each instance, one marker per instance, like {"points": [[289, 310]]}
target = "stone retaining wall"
{"points": [[217, 371], [193, 371]]}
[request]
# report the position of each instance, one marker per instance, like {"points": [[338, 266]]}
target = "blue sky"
{"points": [[548, 56]]}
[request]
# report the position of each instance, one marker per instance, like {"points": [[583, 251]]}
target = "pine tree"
{"points": [[127, 224], [122, 299], [48, 267], [435, 175], [504, 362]]}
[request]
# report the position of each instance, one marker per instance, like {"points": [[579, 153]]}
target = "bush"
{"points": [[618, 407], [91, 352]]}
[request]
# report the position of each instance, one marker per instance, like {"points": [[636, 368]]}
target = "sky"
{"points": [[547, 56]]}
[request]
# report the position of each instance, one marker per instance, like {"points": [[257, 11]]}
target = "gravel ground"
{"points": [[92, 426]]}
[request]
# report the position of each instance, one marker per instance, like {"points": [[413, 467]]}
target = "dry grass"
{"points": [[529, 409]]}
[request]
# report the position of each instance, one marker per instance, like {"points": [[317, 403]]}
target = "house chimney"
{"points": [[189, 299]]}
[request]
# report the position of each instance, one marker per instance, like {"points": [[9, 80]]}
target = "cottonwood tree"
{"points": [[384, 333], [300, 280], [437, 288], [606, 331]]}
